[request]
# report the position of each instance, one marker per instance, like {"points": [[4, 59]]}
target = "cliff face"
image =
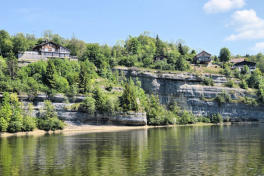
{"points": [[189, 92], [60, 103]]}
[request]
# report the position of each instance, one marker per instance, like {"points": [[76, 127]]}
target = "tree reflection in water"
{"points": [[211, 150]]}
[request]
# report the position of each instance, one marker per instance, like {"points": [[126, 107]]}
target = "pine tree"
{"points": [[50, 74], [159, 54], [129, 99]]}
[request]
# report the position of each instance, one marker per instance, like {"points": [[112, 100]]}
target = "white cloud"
{"points": [[216, 6], [247, 25], [258, 47]]}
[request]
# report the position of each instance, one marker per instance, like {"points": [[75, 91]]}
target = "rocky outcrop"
{"points": [[188, 91], [60, 102]]}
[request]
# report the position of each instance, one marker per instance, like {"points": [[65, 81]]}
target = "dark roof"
{"points": [[46, 42], [203, 53], [253, 64]]}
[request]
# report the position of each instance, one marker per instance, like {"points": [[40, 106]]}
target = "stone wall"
{"points": [[189, 92]]}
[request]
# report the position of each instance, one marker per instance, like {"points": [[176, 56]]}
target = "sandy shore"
{"points": [[73, 129]]}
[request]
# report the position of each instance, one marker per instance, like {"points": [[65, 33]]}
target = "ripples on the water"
{"points": [[227, 150]]}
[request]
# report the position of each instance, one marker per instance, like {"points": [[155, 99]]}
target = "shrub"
{"points": [[109, 87], [186, 118], [48, 119], [129, 100], [61, 84], [203, 119], [227, 71], [216, 118], [208, 81], [250, 101], [243, 84], [29, 123], [88, 105], [223, 98], [3, 124], [14, 126], [230, 83]]}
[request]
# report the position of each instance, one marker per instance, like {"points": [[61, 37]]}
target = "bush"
{"points": [[3, 124], [223, 98], [50, 124], [29, 123], [230, 83], [250, 101], [186, 118], [61, 84], [203, 119], [48, 119], [208, 81], [216, 118], [88, 105], [243, 84], [129, 100], [14, 126]]}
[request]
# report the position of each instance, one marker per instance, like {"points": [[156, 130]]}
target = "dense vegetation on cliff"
{"points": [[92, 75]]}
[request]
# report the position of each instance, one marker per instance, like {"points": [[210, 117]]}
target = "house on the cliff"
{"points": [[240, 65], [202, 58], [43, 51]]}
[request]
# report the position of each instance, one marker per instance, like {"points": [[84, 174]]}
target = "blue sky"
{"points": [[202, 24]]}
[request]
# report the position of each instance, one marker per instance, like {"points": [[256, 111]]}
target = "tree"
{"points": [[132, 45], [12, 65], [48, 119], [159, 48], [86, 76], [50, 74], [255, 79], [224, 55], [129, 100], [20, 43], [6, 44]]}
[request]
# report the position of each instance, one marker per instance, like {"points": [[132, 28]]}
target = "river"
{"points": [[207, 150]]}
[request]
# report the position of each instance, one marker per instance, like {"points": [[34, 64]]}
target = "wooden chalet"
{"points": [[240, 65], [51, 49], [43, 51], [202, 58]]}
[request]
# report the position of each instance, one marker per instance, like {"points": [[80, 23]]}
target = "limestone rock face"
{"points": [[188, 91], [60, 102]]}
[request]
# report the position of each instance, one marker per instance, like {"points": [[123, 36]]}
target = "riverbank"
{"points": [[73, 129]]}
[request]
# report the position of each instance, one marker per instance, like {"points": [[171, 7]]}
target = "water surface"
{"points": [[210, 150]]}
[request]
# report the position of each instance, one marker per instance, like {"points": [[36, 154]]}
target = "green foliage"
{"points": [[204, 119], [129, 100], [255, 79], [250, 101], [223, 98], [208, 81], [227, 71], [243, 84], [186, 117], [3, 124], [245, 70], [230, 83], [157, 114], [86, 75], [48, 119], [224, 55], [128, 61], [88, 105], [12, 117], [216, 118], [50, 75]]}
